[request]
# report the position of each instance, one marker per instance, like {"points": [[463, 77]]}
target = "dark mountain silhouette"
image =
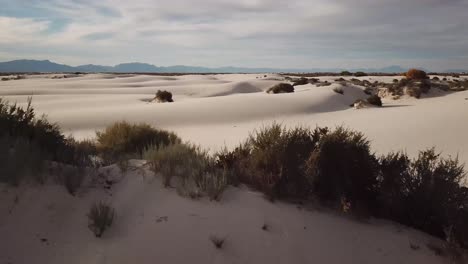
{"points": [[135, 67]]}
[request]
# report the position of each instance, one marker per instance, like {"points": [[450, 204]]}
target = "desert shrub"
{"points": [[413, 91], [273, 158], [338, 90], [340, 80], [415, 74], [163, 96], [342, 169], [368, 90], [281, 88], [100, 218], [375, 100], [19, 122], [426, 193], [444, 79], [395, 81], [360, 74], [5, 79], [456, 76], [31, 140], [193, 167], [20, 158], [301, 81], [123, 139], [345, 73], [435, 78]]}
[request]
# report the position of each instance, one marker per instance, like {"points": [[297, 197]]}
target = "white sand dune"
{"points": [[156, 225], [218, 110], [215, 111]]}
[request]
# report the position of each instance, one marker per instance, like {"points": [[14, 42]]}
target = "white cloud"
{"points": [[302, 33]]}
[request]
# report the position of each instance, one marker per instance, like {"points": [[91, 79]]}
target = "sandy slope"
{"points": [[155, 225]]}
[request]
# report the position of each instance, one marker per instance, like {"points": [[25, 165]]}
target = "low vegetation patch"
{"points": [[100, 218], [163, 97], [194, 169], [301, 81], [415, 74], [338, 90], [375, 100], [281, 88]]}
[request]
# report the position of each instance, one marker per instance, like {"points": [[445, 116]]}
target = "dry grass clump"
{"points": [[415, 74], [100, 218], [163, 97], [194, 169], [125, 140], [281, 88]]}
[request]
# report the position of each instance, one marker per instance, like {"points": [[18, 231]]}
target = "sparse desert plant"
{"points": [[415, 74], [395, 81], [123, 139], [375, 100], [218, 242], [301, 81], [281, 88], [338, 90], [72, 179], [5, 79], [345, 73], [340, 80], [435, 78], [100, 218], [360, 74], [163, 97]]}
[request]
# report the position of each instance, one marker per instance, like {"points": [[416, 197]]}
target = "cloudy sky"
{"points": [[250, 33]]}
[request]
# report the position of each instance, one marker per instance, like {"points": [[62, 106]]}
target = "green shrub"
{"points": [[374, 100], [163, 97], [100, 218], [123, 139], [342, 168], [281, 88]]}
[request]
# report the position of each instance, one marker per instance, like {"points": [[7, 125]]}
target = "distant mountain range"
{"points": [[48, 66]]}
